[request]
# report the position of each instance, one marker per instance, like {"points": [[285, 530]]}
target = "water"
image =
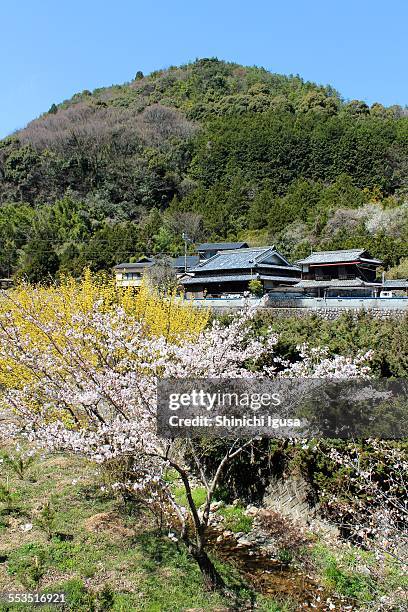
{"points": [[272, 577]]}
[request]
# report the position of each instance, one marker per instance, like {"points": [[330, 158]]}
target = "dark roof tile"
{"points": [[221, 246], [202, 280], [238, 259], [342, 256]]}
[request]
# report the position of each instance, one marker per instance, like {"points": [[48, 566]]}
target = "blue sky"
{"points": [[49, 50]]}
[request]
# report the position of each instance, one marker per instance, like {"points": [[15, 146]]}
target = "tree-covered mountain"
{"points": [[216, 149]]}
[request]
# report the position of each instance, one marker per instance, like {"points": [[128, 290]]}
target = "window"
{"points": [[321, 274], [342, 273]]}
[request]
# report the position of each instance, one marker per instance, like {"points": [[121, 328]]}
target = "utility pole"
{"points": [[186, 239]]}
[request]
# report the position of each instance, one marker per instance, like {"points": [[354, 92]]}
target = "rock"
{"points": [[239, 534], [219, 539], [260, 539], [172, 536], [243, 542], [227, 533], [216, 506], [236, 502], [213, 519], [251, 511], [363, 569]]}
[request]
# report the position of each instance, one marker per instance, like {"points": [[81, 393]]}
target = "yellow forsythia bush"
{"points": [[28, 306]]}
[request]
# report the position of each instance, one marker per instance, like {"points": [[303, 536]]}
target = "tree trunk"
{"points": [[212, 579]]}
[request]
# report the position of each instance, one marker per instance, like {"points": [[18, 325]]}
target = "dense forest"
{"points": [[215, 149]]}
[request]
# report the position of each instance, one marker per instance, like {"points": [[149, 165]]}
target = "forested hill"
{"points": [[214, 148]]}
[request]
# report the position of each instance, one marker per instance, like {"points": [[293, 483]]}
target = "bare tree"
{"points": [[188, 222], [162, 276]]}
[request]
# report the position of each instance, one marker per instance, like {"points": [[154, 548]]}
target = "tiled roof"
{"points": [[235, 259], [396, 283], [278, 267], [202, 280], [355, 282], [220, 246], [345, 256], [175, 262], [179, 262], [135, 266], [371, 260]]}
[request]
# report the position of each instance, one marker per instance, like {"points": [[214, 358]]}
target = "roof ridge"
{"points": [[250, 256], [337, 251], [211, 244], [266, 249], [227, 251]]}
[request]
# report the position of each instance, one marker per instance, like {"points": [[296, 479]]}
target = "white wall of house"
{"points": [[127, 280]]}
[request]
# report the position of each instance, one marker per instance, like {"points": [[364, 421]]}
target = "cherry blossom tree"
{"points": [[90, 389], [374, 509]]}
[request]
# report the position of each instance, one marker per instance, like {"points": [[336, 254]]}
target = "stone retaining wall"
{"points": [[331, 308], [330, 314]]}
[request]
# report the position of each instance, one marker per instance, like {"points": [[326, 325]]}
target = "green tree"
{"points": [[298, 205], [259, 209], [39, 261], [357, 108]]}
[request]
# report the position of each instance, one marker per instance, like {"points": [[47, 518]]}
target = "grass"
{"points": [[199, 496], [264, 604], [126, 565], [235, 519], [356, 574], [82, 543]]}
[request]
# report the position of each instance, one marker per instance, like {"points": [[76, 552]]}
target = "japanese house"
{"points": [[131, 274], [183, 263], [209, 249], [398, 286], [229, 272], [345, 273]]}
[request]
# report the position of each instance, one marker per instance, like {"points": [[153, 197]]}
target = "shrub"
{"points": [[290, 537], [34, 309], [19, 463], [45, 520], [256, 288]]}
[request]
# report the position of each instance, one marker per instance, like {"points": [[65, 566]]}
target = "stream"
{"points": [[272, 577]]}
